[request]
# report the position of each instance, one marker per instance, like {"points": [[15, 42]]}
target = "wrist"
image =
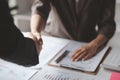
{"points": [[100, 40], [35, 32], [95, 43]]}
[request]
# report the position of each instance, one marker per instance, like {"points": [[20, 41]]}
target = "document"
{"points": [[52, 73], [112, 62], [11, 71], [89, 65], [51, 46]]}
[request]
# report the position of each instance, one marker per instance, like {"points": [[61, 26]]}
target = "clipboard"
{"points": [[51, 62]]}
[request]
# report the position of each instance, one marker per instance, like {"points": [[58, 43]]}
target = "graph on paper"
{"points": [[50, 73]]}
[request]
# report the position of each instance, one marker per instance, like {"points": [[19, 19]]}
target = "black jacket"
{"points": [[9, 34], [13, 45]]}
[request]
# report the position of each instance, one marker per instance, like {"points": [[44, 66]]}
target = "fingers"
{"points": [[38, 44], [81, 57], [83, 54], [38, 38], [78, 54], [89, 55], [38, 41], [39, 48]]}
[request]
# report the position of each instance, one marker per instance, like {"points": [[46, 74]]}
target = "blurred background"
{"points": [[21, 9]]}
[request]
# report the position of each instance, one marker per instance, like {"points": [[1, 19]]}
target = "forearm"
{"points": [[89, 50], [99, 40], [36, 23]]}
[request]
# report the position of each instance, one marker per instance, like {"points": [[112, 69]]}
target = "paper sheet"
{"points": [[87, 65], [113, 60], [52, 73], [11, 71], [51, 46]]}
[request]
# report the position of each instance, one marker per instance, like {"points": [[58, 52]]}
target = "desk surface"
{"points": [[47, 53], [102, 74]]}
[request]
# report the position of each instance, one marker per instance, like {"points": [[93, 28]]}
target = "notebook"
{"points": [[89, 65], [112, 62]]}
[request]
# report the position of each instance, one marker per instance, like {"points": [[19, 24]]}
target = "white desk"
{"points": [[102, 74], [45, 56]]}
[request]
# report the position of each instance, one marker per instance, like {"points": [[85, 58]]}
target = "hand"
{"points": [[85, 52], [90, 49], [36, 37], [38, 41]]}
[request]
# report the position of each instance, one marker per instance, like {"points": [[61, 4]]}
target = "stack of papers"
{"points": [[89, 65], [112, 62], [11, 71], [52, 73], [51, 46]]}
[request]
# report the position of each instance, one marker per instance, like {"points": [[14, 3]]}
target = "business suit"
{"points": [[14, 46], [80, 18]]}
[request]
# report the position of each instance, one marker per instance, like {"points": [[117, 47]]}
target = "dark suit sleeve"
{"points": [[8, 35], [106, 23], [41, 7], [14, 46]]}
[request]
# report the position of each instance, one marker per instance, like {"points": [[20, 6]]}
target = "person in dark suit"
{"points": [[89, 21], [14, 47]]}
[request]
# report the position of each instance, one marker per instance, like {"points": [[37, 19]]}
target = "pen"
{"points": [[62, 56]]}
